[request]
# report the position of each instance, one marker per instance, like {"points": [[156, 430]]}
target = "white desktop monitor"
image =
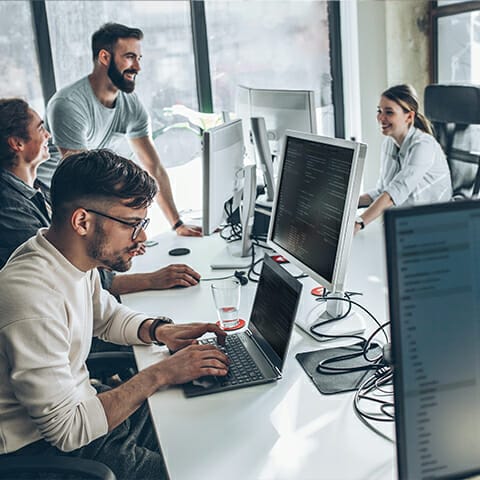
{"points": [[223, 157], [315, 204], [281, 110]]}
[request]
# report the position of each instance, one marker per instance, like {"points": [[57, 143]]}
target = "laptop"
{"points": [[258, 354], [433, 260]]}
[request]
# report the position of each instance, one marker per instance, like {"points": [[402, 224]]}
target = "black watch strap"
{"points": [[155, 324], [360, 221], [177, 225]]}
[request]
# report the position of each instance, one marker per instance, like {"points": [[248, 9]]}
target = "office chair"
{"points": [[103, 365], [53, 468], [453, 109]]}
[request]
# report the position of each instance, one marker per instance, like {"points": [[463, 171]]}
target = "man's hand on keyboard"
{"points": [[193, 362], [176, 337]]}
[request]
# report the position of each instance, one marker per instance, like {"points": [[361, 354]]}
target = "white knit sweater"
{"points": [[48, 312]]}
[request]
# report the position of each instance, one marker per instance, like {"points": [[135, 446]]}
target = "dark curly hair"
{"points": [[14, 120], [98, 176]]}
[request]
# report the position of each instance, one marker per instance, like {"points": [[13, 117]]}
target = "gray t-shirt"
{"points": [[78, 121]]}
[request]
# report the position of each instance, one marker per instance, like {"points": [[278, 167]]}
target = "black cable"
{"points": [[367, 418], [325, 366], [251, 270], [342, 299]]}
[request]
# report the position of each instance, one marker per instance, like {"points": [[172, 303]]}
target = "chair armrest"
{"points": [[35, 465], [102, 365]]}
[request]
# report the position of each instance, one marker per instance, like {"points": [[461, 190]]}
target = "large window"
{"points": [[457, 42], [275, 45], [265, 44], [459, 48], [18, 62], [168, 74]]}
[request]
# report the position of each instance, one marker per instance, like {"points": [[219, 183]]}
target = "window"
{"points": [[18, 63], [168, 73], [167, 77], [273, 45], [459, 48], [456, 46]]}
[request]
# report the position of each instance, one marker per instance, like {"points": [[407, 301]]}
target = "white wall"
{"points": [[393, 48]]}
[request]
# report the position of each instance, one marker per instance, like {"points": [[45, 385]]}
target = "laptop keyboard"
{"points": [[242, 368]]}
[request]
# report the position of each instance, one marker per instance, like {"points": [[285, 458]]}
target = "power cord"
{"points": [[366, 392], [331, 365]]}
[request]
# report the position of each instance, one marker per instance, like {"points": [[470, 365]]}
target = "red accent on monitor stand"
{"points": [[317, 291]]}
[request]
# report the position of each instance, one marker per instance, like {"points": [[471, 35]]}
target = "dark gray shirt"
{"points": [[23, 210]]}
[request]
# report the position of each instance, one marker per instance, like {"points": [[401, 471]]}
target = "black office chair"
{"points": [[103, 365], [53, 468], [453, 109]]}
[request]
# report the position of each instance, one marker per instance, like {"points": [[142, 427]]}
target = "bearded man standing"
{"points": [[97, 111]]}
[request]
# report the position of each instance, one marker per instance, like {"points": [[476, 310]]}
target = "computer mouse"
{"points": [[241, 277], [176, 252]]}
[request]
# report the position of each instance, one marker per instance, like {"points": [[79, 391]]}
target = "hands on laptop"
{"points": [[176, 337]]}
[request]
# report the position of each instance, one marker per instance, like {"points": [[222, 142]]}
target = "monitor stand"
{"points": [[239, 256], [263, 202], [231, 257], [352, 324]]}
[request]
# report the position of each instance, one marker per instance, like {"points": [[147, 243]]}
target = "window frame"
{"points": [[201, 57], [437, 12]]}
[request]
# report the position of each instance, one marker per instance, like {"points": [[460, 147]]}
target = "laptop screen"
{"points": [[433, 258], [274, 308]]}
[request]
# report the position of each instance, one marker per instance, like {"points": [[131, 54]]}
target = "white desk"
{"points": [[283, 430]]}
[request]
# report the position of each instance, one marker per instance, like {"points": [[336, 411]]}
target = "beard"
{"points": [[118, 79], [98, 250]]}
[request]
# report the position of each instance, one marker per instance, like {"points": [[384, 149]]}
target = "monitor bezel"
{"points": [[391, 219], [210, 139], [247, 93], [336, 284]]}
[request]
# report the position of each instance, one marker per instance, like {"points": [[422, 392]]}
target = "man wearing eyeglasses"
{"points": [[98, 110], [52, 304], [25, 204]]}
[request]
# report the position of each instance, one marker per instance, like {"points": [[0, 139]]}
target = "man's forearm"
{"points": [[130, 283], [124, 400]]}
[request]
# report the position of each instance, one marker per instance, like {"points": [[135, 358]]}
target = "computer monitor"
{"points": [[314, 209], [434, 302], [226, 178], [223, 161], [281, 110]]}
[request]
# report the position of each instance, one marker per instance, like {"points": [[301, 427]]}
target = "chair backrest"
{"points": [[453, 109]]}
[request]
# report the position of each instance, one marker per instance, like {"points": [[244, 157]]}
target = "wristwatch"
{"points": [[178, 224], [157, 322], [360, 221]]}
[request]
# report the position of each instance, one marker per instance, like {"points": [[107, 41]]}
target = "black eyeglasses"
{"points": [[141, 225]]}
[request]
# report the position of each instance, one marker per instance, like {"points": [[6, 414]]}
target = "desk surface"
{"points": [[282, 430]]}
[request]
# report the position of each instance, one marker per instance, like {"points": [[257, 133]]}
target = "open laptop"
{"points": [[433, 259], [257, 355]]}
